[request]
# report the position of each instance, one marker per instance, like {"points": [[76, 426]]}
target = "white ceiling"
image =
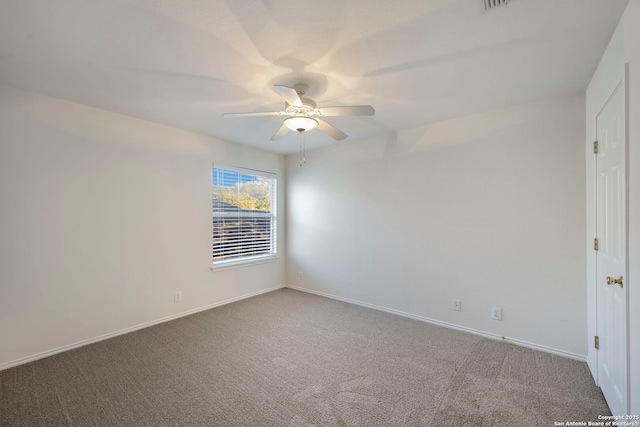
{"points": [[185, 62]]}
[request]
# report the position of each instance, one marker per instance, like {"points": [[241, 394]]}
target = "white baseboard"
{"points": [[64, 348], [490, 335]]}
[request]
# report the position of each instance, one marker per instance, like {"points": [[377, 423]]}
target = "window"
{"points": [[244, 215]]}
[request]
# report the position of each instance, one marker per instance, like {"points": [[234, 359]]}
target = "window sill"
{"points": [[228, 265]]}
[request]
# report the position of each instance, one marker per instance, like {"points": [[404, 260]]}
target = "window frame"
{"points": [[272, 215]]}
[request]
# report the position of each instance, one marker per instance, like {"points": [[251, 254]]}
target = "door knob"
{"points": [[612, 281]]}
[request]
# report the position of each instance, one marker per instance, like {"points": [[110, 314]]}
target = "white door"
{"points": [[611, 258]]}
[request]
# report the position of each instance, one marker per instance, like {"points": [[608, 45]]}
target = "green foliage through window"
{"points": [[251, 196]]}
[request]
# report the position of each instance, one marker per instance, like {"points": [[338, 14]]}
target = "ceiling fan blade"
{"points": [[353, 110], [280, 133], [330, 130], [290, 95], [260, 113]]}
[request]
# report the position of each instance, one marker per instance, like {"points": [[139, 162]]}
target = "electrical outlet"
{"points": [[301, 276], [457, 305], [496, 313], [177, 296]]}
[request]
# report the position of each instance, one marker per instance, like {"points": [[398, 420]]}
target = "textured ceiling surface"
{"points": [[184, 63]]}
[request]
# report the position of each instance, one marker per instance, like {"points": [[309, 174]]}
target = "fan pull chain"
{"points": [[303, 153], [304, 149], [300, 151]]}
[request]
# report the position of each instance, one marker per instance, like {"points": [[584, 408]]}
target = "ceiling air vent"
{"points": [[490, 4]]}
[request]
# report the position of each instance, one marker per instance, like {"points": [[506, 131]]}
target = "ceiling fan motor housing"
{"points": [[308, 107]]}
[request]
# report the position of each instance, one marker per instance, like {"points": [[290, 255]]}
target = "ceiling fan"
{"points": [[304, 115]]}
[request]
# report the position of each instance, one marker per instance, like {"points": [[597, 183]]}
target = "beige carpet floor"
{"points": [[288, 358]]}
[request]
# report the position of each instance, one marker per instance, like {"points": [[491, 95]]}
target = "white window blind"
{"points": [[244, 215]]}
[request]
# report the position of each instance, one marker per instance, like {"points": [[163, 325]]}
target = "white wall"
{"points": [[624, 48], [487, 209], [103, 217]]}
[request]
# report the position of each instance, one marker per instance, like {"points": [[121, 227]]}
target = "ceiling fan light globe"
{"points": [[300, 123]]}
